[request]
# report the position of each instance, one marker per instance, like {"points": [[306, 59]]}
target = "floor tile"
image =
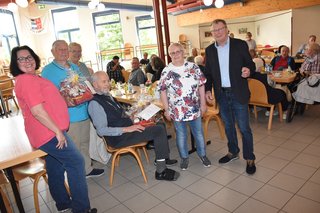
{"points": [[273, 163], [293, 145], [273, 196], [316, 177], [204, 188], [287, 182], [125, 191], [307, 159], [245, 185], [228, 199], [142, 202], [252, 205], [186, 178], [299, 170], [284, 153], [104, 202], [310, 190], [264, 148], [165, 190], [161, 208], [263, 174], [184, 201], [118, 209], [207, 207], [222, 176], [300, 204], [312, 150]]}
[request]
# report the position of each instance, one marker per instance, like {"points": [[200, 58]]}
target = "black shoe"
{"points": [[95, 173], [251, 167], [169, 162], [167, 174], [169, 137], [150, 146], [93, 210], [228, 158]]}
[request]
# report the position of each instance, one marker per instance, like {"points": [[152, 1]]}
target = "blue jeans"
{"points": [[232, 111], [70, 160], [182, 136]]}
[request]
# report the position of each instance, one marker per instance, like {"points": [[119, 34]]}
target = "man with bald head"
{"points": [[111, 122], [79, 130]]}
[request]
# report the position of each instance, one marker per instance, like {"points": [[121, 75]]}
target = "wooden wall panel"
{"points": [[250, 8]]}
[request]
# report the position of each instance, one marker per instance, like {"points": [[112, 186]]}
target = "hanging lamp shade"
{"points": [[219, 3], [12, 7], [207, 2], [22, 3]]}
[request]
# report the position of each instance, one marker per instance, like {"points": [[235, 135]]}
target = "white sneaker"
{"points": [[275, 113], [284, 115]]}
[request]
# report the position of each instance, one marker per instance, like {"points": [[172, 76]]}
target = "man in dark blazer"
{"points": [[228, 65]]}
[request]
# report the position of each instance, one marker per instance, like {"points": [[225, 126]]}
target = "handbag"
{"points": [[313, 80]]}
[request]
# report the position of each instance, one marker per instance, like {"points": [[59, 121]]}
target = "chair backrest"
{"points": [[258, 92], [125, 75], [6, 85]]}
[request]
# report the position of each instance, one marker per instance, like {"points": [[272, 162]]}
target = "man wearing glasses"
{"points": [[228, 66]]}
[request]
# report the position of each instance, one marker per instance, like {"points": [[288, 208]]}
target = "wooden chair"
{"points": [[125, 75], [134, 150], [6, 87], [4, 181], [213, 114], [34, 169], [259, 97]]}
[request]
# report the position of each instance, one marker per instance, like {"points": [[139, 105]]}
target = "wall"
{"points": [[305, 22]]}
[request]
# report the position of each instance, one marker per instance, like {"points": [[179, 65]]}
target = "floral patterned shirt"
{"points": [[182, 87]]}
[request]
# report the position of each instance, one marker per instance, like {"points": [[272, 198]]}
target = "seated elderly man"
{"points": [[312, 39], [112, 122], [137, 76], [283, 61], [308, 90]]}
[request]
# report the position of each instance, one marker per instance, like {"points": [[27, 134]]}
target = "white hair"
{"points": [[198, 60]]}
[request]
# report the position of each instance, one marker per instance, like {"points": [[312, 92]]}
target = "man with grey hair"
{"points": [[79, 130], [111, 122], [137, 76]]}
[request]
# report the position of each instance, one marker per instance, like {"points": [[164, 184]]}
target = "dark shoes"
{"points": [[150, 145], [95, 173], [93, 210], [167, 174], [251, 167], [169, 162], [228, 158], [205, 161]]}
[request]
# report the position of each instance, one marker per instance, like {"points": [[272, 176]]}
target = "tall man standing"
{"points": [[79, 129], [228, 66]]}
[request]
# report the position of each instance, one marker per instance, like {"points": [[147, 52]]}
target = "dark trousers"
{"points": [[157, 133]]}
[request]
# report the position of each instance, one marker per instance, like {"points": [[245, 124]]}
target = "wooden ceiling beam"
{"points": [[250, 8]]}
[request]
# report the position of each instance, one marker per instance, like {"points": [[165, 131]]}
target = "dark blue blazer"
{"points": [[239, 57]]}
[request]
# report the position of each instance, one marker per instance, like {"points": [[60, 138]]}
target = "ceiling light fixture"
{"points": [[93, 4], [12, 6], [219, 3], [207, 2], [101, 7]]}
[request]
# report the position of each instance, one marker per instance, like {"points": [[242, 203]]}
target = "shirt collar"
{"points": [[227, 42]]}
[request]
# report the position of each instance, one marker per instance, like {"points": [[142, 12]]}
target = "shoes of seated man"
{"points": [[167, 174], [150, 146], [169, 162], [95, 173], [93, 210], [275, 112]]}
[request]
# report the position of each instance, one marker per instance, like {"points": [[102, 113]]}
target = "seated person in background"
{"points": [[112, 122], [260, 63], [302, 48], [145, 59], [137, 76], [190, 59], [75, 54], [149, 67], [308, 91], [274, 95], [231, 35], [198, 60], [114, 69], [194, 52], [251, 43], [283, 61], [157, 65]]}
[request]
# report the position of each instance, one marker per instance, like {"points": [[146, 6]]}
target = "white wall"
{"points": [[305, 22]]}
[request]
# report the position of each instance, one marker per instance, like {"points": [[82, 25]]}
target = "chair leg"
{"points": [[140, 165], [146, 154], [280, 112], [255, 112], [7, 105], [6, 201], [114, 158], [270, 117], [35, 191], [15, 102]]}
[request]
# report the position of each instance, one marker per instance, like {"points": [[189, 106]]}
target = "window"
{"points": [[147, 35], [8, 34], [66, 24], [107, 26]]}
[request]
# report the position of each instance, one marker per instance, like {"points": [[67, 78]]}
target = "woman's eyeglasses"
{"points": [[175, 53], [29, 58]]}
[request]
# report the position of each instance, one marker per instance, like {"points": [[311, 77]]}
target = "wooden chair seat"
{"points": [[6, 87], [4, 181], [134, 150], [34, 169], [213, 114], [259, 97]]}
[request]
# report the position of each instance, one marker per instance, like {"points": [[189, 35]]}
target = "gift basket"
{"points": [[75, 90]]}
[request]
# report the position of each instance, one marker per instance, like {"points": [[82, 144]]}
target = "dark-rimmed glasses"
{"points": [[29, 58]]}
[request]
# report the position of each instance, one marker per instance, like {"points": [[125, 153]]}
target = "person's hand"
{"points": [[62, 141], [167, 115], [133, 128], [245, 72], [209, 97], [203, 109]]}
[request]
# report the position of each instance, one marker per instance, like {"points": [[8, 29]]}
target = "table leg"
{"points": [[15, 190], [2, 207]]}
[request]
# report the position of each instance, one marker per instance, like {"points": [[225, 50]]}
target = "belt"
{"points": [[226, 89]]}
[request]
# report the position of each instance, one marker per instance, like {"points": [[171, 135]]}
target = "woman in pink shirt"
{"points": [[46, 120]]}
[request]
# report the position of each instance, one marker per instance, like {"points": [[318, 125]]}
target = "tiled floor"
{"points": [[287, 177]]}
